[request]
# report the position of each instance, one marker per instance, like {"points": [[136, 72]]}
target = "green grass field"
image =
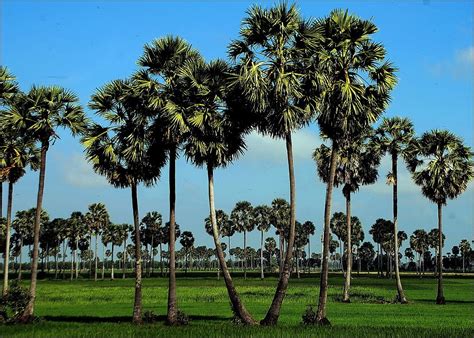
{"points": [[103, 308]]}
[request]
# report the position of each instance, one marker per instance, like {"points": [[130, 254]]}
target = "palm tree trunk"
{"points": [[137, 306], [161, 260], [274, 311], [245, 254], [280, 268], [261, 256], [124, 258], [152, 253], [27, 315], [6, 254], [297, 256], [347, 281], [90, 260], [96, 259], [230, 256], [401, 294], [73, 258], [21, 259], [463, 266], [63, 270], [238, 308], [323, 288], [76, 260], [103, 261], [112, 270], [440, 297], [1, 199], [172, 313]]}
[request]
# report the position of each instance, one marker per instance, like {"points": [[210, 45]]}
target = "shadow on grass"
{"points": [[121, 319]]}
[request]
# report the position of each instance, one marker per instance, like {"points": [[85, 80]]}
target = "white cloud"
{"points": [[266, 149], [460, 66], [79, 173]]}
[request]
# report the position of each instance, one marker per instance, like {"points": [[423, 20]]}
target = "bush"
{"points": [[13, 303]]}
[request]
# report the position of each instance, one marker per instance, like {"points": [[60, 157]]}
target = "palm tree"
{"points": [[164, 58], [242, 218], [355, 82], [309, 229], [442, 167], [433, 243], [48, 108], [356, 165], [23, 226], [17, 151], [465, 248], [269, 52], [280, 219], [126, 152], [153, 222], [394, 136], [187, 241], [97, 218], [262, 218], [419, 242], [77, 230], [216, 138]]}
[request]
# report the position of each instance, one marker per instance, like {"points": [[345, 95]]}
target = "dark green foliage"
{"points": [[13, 303]]}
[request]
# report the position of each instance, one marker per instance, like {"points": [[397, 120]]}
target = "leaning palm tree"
{"points": [[262, 218], [394, 136], [354, 82], [126, 152], [163, 58], [268, 73], [216, 138], [442, 166], [48, 108], [242, 218], [17, 151], [356, 165]]}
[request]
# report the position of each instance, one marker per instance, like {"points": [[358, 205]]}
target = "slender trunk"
{"points": [[96, 259], [6, 254], [152, 253], [401, 294], [90, 260], [64, 260], [245, 254], [56, 265], [347, 281], [29, 310], [309, 256], [274, 311], [73, 258], [230, 256], [1, 199], [172, 313], [112, 270], [323, 290], [238, 308], [76, 260], [21, 259], [297, 256], [137, 306], [161, 261], [103, 261], [280, 268], [124, 257], [261, 255], [463, 267], [440, 297]]}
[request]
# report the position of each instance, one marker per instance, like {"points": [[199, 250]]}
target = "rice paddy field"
{"points": [[103, 308]]}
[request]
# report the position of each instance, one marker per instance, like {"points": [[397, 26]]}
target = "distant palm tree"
{"points": [[97, 219], [309, 229], [262, 218], [242, 218], [126, 152], [419, 242], [394, 136], [434, 243], [280, 219], [356, 165], [48, 109], [442, 167], [164, 58], [269, 74], [153, 222], [216, 138], [465, 248], [77, 229], [355, 81], [187, 242]]}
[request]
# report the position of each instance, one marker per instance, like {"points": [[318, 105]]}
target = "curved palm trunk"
{"points": [[347, 281], [172, 314], [237, 306], [261, 256], [27, 314], [323, 288], [274, 311], [440, 297], [137, 306], [6, 254], [401, 294]]}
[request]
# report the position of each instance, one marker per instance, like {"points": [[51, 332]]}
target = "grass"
{"points": [[103, 308]]}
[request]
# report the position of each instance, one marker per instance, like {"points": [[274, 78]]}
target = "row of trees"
{"points": [[284, 72]]}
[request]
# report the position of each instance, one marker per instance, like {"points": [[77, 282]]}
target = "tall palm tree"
{"points": [[355, 81], [242, 218], [17, 151], [216, 138], [269, 74], [394, 136], [356, 165], [262, 218], [126, 152], [48, 108], [164, 58], [442, 166]]}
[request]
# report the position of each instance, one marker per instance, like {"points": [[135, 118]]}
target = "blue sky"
{"points": [[82, 45]]}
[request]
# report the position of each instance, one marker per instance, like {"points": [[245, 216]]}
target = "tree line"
{"points": [[284, 72]]}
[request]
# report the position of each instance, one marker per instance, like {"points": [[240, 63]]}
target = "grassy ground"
{"points": [[88, 308]]}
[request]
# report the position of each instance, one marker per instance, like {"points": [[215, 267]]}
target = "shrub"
{"points": [[13, 303]]}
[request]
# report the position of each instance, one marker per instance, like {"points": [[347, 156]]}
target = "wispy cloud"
{"points": [[79, 173], [459, 67]]}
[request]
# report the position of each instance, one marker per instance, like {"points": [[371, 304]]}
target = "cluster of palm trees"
{"points": [[285, 72]]}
